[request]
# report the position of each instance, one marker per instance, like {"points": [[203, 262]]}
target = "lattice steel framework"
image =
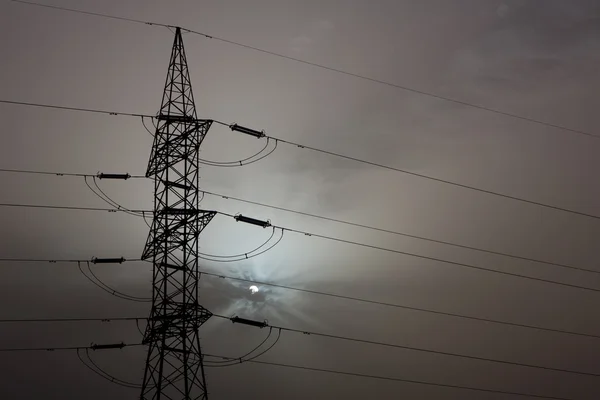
{"points": [[174, 368]]}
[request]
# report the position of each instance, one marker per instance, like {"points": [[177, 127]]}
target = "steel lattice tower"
{"points": [[174, 367]]}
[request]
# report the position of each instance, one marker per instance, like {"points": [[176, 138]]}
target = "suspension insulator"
{"points": [[250, 322], [179, 211], [113, 176], [107, 346], [252, 221], [247, 131], [177, 185], [175, 118], [97, 260]]}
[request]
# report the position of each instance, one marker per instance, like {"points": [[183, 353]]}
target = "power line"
{"points": [[387, 378], [123, 345], [94, 279], [437, 259], [112, 210], [339, 240], [52, 320], [337, 220], [339, 296], [439, 180], [26, 171], [305, 332], [246, 358], [91, 13], [337, 337], [98, 191], [459, 264], [105, 198], [406, 88], [52, 261], [328, 68], [37, 172], [356, 159], [94, 367], [411, 348], [91, 347], [340, 221], [56, 260], [90, 110], [249, 355], [443, 353], [386, 304]]}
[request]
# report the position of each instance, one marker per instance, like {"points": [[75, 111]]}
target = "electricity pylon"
{"points": [[174, 366]]}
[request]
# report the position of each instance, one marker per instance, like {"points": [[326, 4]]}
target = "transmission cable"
{"points": [[34, 172], [424, 257], [111, 210], [57, 320], [98, 283], [108, 289], [387, 378], [309, 291], [58, 260], [104, 197], [90, 110], [25, 171], [386, 304], [48, 260], [328, 68], [102, 373], [356, 159], [241, 254], [100, 194], [67, 348], [244, 256], [340, 221], [243, 162], [436, 259], [442, 353], [227, 164], [304, 332], [72, 320], [411, 348], [144, 123], [439, 180], [137, 325], [245, 358], [339, 240], [248, 353]]}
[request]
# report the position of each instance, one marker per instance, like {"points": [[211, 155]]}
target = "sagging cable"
{"points": [[102, 373], [113, 292], [244, 256], [262, 154]]}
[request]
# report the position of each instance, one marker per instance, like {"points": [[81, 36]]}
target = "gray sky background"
{"points": [[537, 59]]}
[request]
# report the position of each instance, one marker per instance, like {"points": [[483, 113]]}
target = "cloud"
{"points": [[314, 32], [299, 43], [324, 25], [533, 44], [502, 10]]}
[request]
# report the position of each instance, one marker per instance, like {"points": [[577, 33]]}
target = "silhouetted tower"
{"points": [[174, 367]]}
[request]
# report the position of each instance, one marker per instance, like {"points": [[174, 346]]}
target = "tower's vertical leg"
{"points": [[174, 367]]}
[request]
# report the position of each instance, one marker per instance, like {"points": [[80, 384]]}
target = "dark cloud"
{"points": [[537, 59]]}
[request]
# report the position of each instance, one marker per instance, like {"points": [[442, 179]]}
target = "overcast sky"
{"points": [[539, 59]]}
